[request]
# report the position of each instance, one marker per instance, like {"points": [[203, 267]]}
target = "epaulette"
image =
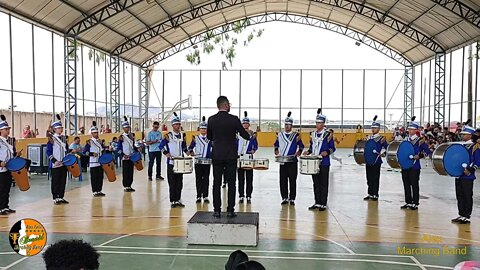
{"points": [[475, 147], [329, 136], [421, 141]]}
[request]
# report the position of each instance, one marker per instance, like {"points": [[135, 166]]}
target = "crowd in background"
{"points": [[434, 134]]}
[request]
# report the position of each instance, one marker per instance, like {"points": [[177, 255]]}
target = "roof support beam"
{"points": [[462, 10], [107, 26], [348, 5], [270, 17], [102, 14], [387, 20]]}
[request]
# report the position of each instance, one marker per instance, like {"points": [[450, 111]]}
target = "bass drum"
{"points": [[358, 152], [399, 155], [451, 158]]}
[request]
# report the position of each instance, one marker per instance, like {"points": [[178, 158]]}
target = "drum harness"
{"points": [[245, 143], [9, 150], [413, 142], [204, 145], [129, 141], [287, 141], [318, 141], [61, 144]]}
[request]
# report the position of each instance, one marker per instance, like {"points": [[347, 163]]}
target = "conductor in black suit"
{"points": [[222, 130]]}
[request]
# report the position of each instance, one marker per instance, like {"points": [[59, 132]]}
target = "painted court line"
{"points": [[134, 233], [267, 257], [255, 251], [417, 262], [15, 263]]}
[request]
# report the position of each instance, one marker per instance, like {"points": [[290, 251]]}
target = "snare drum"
{"points": [[136, 158], [203, 161], [451, 159], [285, 159], [108, 166], [246, 164], [18, 169], [71, 162], [260, 164], [182, 165], [310, 164]]}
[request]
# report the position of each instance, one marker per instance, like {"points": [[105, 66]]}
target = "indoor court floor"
{"points": [[141, 231]]}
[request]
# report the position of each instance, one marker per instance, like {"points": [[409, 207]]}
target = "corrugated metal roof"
{"points": [[140, 29]]}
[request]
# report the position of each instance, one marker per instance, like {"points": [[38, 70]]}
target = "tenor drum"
{"points": [[182, 165], [285, 159], [203, 161], [71, 162], [451, 159], [136, 158], [260, 164], [246, 164], [400, 155], [106, 160], [358, 152], [18, 168], [310, 165]]}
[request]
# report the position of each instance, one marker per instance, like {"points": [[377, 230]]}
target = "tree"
{"points": [[226, 40]]}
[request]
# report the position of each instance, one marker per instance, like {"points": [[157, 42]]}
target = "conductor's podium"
{"points": [[204, 229]]}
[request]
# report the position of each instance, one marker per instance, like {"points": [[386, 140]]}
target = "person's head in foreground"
{"points": [[71, 255]]}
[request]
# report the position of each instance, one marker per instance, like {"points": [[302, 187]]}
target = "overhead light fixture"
{"points": [[357, 43]]}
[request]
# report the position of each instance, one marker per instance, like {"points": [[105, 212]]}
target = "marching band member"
{"points": [[321, 144], [94, 150], [464, 183], [126, 146], [201, 147], [246, 148], [373, 171], [174, 145], [411, 177], [7, 152], [288, 143], [56, 151]]}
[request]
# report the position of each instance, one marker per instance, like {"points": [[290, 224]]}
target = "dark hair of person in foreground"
{"points": [[71, 255]]}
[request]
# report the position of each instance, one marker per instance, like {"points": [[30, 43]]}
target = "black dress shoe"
{"points": [[366, 198], [159, 177], [405, 206], [231, 214], [284, 201], [173, 205], [313, 207], [100, 194], [62, 200], [464, 220], [216, 214], [292, 202], [206, 200], [149, 178], [322, 208], [455, 220], [374, 198], [9, 210], [179, 204], [199, 200], [224, 185], [413, 207]]}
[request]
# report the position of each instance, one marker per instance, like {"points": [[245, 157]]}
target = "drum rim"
{"points": [[70, 158]]}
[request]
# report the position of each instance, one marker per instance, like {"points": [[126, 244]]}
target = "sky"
{"points": [[282, 46]]}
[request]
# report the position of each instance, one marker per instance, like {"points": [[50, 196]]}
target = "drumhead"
{"points": [[370, 156], [454, 157], [405, 150], [69, 160], [105, 158], [16, 164], [136, 156]]}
